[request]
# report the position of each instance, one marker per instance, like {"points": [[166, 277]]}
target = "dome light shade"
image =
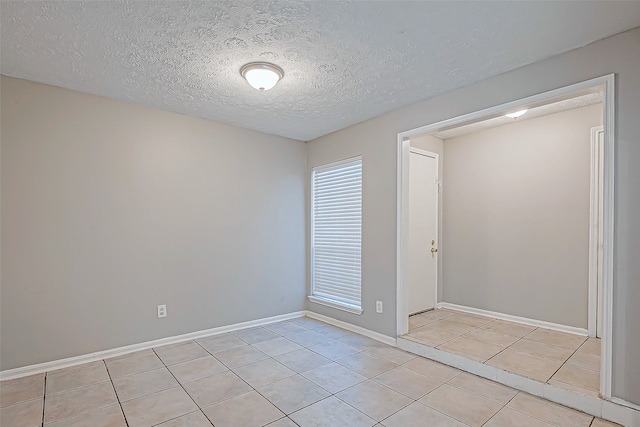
{"points": [[516, 114], [261, 75]]}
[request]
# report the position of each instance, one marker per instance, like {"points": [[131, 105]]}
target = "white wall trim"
{"points": [[105, 354], [334, 304], [353, 328], [619, 401], [502, 108], [606, 360], [619, 411], [515, 319], [402, 238], [595, 226], [612, 411]]}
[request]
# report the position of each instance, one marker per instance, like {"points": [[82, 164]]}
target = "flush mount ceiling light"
{"points": [[516, 114], [261, 75]]}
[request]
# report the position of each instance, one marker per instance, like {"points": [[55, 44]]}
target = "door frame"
{"points": [[595, 225], [608, 82], [435, 156]]}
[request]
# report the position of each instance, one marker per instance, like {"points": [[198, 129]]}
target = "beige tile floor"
{"points": [[294, 373], [565, 360]]}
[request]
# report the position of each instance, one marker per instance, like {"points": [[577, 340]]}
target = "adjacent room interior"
{"points": [[504, 214]]}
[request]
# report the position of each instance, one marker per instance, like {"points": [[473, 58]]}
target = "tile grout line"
{"points": [[426, 394], [510, 345], [295, 374], [331, 394], [453, 321], [183, 415], [590, 354], [376, 382], [44, 396], [116, 393], [182, 387], [545, 358], [385, 386], [474, 329], [482, 397], [78, 388], [565, 362], [242, 379], [438, 410], [504, 406], [303, 347], [580, 390], [551, 403], [478, 395], [542, 357], [520, 391]]}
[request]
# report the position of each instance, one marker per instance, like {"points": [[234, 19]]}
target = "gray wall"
{"points": [[435, 145], [109, 209], [516, 217], [376, 140]]}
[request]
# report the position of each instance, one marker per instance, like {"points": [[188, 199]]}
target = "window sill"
{"points": [[334, 304]]}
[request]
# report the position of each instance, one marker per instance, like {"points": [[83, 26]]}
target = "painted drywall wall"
{"points": [[516, 217], [110, 209], [435, 145], [376, 140]]}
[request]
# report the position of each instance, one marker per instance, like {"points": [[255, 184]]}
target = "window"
{"points": [[336, 234]]}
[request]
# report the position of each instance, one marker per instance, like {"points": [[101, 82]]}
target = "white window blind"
{"points": [[337, 233]]}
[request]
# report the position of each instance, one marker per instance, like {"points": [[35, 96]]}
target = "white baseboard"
{"points": [[105, 354], [612, 411], [621, 412], [353, 328], [515, 319], [626, 403]]}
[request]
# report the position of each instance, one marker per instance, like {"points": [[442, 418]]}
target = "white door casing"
{"points": [[608, 211], [423, 230], [596, 232]]}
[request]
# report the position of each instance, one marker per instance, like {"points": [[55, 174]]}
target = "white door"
{"points": [[423, 230]]}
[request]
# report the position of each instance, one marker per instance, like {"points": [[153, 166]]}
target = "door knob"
{"points": [[434, 250]]}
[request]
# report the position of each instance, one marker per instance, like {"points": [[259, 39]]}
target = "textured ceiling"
{"points": [[538, 111], [344, 62]]}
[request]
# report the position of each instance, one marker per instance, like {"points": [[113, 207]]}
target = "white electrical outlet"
{"points": [[162, 311], [378, 306]]}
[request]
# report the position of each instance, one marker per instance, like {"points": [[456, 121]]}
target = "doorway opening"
{"points": [[525, 256]]}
